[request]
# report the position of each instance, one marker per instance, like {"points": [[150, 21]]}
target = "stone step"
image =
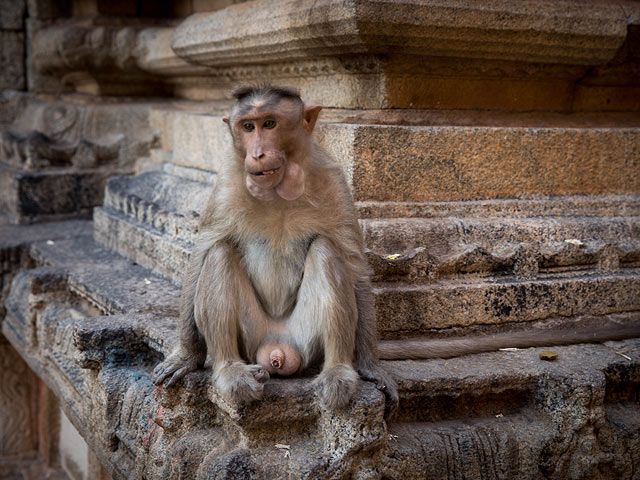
{"points": [[153, 218], [506, 412], [435, 163], [504, 415], [433, 307], [427, 309]]}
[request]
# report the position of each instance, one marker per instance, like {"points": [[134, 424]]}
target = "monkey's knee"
{"points": [[239, 382], [336, 386]]}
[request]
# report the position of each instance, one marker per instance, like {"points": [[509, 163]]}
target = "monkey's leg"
{"points": [[226, 311], [324, 320]]}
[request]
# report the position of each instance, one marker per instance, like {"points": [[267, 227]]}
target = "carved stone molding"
{"points": [[567, 32], [17, 397], [64, 134]]}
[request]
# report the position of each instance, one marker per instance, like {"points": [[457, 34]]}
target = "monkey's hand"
{"points": [[239, 382], [336, 385], [175, 366], [384, 383]]}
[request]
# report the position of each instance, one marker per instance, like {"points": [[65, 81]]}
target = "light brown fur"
{"points": [[274, 259]]}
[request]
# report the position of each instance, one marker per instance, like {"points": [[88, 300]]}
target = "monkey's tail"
{"points": [[425, 348]]}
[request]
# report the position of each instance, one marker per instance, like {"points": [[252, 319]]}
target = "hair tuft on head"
{"points": [[245, 91]]}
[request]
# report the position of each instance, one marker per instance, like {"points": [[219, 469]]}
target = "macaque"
{"points": [[278, 280]]}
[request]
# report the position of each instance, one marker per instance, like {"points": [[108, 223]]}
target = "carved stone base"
{"points": [[528, 417]]}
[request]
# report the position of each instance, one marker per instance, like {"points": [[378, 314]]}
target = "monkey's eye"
{"points": [[269, 124], [248, 126]]}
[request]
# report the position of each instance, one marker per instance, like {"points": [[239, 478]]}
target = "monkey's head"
{"points": [[271, 129]]}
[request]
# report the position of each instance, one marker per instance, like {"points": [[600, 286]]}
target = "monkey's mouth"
{"points": [[266, 173]]}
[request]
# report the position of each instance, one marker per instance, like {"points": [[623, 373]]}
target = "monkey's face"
{"points": [[271, 135]]}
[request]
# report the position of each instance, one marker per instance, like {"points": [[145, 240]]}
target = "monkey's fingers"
{"points": [[259, 373], [178, 375], [161, 372], [386, 386]]}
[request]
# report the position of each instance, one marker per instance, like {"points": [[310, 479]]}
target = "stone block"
{"points": [[425, 164], [12, 55], [392, 163], [12, 14], [200, 141], [416, 309], [36, 196]]}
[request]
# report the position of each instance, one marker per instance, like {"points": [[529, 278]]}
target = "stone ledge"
{"points": [[413, 164], [422, 164], [454, 301], [508, 406], [537, 31], [404, 309], [152, 218], [54, 194], [564, 206]]}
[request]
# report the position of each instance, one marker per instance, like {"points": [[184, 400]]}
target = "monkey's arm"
{"points": [[366, 351], [191, 351]]}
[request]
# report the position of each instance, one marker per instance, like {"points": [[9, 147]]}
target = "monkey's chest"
{"points": [[275, 274]]}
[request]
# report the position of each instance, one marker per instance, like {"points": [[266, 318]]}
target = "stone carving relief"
{"points": [[16, 434], [62, 139]]}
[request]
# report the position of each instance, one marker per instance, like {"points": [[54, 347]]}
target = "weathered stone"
{"points": [[489, 214], [200, 141], [485, 404], [426, 164], [532, 30], [56, 157], [414, 309], [418, 164], [12, 15], [549, 355], [35, 196], [359, 57], [12, 75]]}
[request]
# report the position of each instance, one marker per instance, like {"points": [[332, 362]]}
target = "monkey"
{"points": [[279, 257]]}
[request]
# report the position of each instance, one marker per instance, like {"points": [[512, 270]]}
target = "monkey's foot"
{"points": [[336, 385], [175, 366], [239, 382], [384, 383]]}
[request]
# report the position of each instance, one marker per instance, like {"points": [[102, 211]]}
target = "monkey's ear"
{"points": [[225, 120], [310, 115]]}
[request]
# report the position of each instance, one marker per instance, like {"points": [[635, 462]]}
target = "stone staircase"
{"points": [[101, 313]]}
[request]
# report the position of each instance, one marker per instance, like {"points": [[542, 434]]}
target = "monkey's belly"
{"points": [[275, 274]]}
